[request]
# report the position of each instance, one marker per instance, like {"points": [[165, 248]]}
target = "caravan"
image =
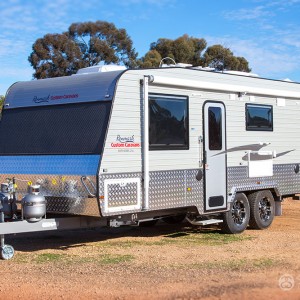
{"points": [[130, 147]]}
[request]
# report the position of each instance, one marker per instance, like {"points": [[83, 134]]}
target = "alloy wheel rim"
{"points": [[238, 212], [264, 207]]}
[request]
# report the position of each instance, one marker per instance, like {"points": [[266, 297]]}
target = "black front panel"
{"points": [[57, 129]]}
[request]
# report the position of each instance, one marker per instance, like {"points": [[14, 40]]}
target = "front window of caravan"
{"points": [[77, 128], [259, 117], [168, 122]]}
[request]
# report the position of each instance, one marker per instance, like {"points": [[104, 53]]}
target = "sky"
{"points": [[266, 33]]}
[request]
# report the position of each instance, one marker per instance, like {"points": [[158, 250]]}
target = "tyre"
{"points": [[262, 209], [174, 219], [237, 218]]}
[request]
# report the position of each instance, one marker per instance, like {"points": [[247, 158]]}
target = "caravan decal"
{"points": [[255, 148], [37, 99], [125, 142], [129, 139], [41, 99]]}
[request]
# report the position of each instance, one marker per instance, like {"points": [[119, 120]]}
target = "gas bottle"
{"points": [[7, 204], [33, 204]]}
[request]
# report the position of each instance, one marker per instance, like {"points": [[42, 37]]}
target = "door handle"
{"points": [[200, 140]]}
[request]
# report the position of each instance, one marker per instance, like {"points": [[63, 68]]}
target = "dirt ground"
{"points": [[161, 262]]}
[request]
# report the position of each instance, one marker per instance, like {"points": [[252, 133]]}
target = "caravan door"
{"points": [[215, 162]]}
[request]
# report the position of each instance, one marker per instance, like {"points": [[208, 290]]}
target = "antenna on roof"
{"points": [[161, 62]]}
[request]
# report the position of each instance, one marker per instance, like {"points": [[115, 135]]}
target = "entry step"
{"points": [[205, 222]]}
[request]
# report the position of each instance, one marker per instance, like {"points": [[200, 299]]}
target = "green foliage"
{"points": [[222, 58], [151, 59], [89, 43], [1, 102], [184, 49], [84, 45], [102, 41], [190, 50], [55, 55]]}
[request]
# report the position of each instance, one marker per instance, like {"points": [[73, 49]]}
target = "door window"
{"points": [[215, 128]]}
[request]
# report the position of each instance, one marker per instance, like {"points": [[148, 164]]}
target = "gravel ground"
{"points": [[162, 262]]}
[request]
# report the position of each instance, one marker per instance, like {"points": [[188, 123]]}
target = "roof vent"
{"points": [[204, 68], [240, 73], [100, 69]]}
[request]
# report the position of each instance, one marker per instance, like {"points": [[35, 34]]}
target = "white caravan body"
{"points": [[151, 140]]}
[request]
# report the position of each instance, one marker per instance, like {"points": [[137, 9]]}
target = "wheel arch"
{"points": [[249, 189], [274, 191]]}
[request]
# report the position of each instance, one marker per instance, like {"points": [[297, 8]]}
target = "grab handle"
{"points": [[83, 179], [200, 141]]}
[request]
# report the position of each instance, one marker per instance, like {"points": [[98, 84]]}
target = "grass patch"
{"points": [[135, 242], [180, 238], [120, 244], [115, 258], [265, 262], [22, 258], [73, 259], [49, 257], [39, 258], [211, 238], [238, 264]]}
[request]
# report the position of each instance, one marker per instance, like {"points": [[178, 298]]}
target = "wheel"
{"points": [[174, 219], [7, 252], [262, 209], [148, 223], [237, 218]]}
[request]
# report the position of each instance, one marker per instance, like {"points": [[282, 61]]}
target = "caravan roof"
{"points": [[63, 90]]}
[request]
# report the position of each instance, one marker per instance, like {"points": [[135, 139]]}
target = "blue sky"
{"points": [[266, 33]]}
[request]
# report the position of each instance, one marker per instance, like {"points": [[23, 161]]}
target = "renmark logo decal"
{"points": [[126, 139], [48, 98], [41, 99], [125, 142]]}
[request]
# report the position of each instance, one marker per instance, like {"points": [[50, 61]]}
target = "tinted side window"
{"points": [[215, 128], [168, 122], [259, 117]]}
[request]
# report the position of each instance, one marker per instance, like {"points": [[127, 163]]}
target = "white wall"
{"points": [[126, 116]]}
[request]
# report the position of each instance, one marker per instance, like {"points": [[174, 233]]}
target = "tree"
{"points": [[84, 45], [152, 58], [102, 41], [55, 55], [1, 102], [222, 58], [190, 50], [184, 49]]}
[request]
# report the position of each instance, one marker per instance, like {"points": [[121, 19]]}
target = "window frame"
{"points": [[210, 132], [251, 128], [186, 146]]}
